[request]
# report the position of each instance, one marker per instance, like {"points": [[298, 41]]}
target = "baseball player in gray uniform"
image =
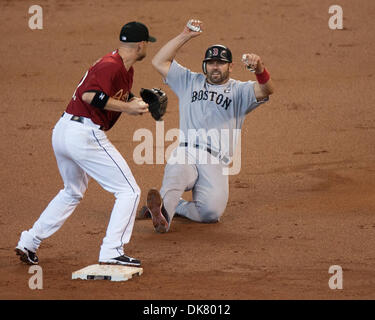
{"points": [[210, 104]]}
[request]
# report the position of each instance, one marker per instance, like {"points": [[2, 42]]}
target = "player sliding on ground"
{"points": [[208, 103]]}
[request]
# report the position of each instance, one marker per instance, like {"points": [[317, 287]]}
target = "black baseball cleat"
{"points": [[122, 260], [26, 255], [159, 215]]}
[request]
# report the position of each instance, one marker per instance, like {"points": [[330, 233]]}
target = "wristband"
{"points": [[263, 77]]}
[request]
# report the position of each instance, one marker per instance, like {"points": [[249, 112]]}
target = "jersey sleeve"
{"points": [[102, 78], [248, 99], [178, 78]]}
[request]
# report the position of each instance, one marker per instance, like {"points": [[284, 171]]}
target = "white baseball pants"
{"points": [[82, 150]]}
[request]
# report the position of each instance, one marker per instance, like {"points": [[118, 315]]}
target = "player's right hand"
{"points": [[195, 29], [137, 107]]}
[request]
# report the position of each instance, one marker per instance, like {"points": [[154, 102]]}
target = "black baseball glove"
{"points": [[157, 101]]}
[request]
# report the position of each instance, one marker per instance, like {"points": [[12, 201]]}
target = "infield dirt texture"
{"points": [[303, 201]]}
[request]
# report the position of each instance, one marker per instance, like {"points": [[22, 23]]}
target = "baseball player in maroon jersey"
{"points": [[83, 150]]}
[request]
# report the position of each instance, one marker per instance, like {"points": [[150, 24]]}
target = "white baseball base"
{"points": [[107, 272]]}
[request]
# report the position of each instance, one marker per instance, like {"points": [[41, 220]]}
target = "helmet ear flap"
{"points": [[204, 68]]}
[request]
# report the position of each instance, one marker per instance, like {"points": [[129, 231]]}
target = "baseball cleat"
{"points": [[144, 213], [159, 217], [122, 260], [26, 255]]}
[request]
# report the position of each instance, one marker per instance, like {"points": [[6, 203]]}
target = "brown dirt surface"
{"points": [[303, 201]]}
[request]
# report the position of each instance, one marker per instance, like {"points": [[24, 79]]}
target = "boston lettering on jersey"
{"points": [[224, 102]]}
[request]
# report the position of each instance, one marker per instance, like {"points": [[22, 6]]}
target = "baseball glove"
{"points": [[157, 101]]}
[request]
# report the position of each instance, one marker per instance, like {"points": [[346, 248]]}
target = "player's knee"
{"points": [[212, 209], [126, 191], [71, 195], [137, 190], [137, 194], [211, 217], [210, 213]]}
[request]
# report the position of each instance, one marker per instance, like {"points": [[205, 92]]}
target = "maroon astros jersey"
{"points": [[110, 76]]}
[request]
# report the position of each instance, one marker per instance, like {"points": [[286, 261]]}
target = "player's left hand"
{"points": [[253, 61], [156, 100]]}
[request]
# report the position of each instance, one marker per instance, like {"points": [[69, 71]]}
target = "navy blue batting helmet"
{"points": [[216, 52]]}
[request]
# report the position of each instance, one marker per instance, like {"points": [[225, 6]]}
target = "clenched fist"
{"points": [[253, 61]]}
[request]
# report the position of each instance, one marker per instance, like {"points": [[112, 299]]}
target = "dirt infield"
{"points": [[303, 201]]}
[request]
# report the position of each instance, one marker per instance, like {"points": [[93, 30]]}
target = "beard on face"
{"points": [[218, 77]]}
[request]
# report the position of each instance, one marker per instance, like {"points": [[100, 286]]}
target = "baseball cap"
{"points": [[135, 32]]}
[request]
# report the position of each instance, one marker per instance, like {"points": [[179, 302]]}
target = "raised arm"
{"points": [[164, 57], [264, 85]]}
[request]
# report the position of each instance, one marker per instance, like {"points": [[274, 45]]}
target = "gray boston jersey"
{"points": [[211, 115]]}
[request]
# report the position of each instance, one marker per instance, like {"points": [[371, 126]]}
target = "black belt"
{"points": [[79, 119], [208, 149]]}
